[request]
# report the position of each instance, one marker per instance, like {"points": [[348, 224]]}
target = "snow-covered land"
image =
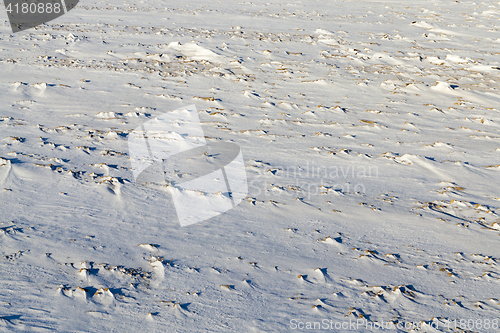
{"points": [[370, 132]]}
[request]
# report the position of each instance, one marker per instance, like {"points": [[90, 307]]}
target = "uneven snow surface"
{"points": [[370, 132]]}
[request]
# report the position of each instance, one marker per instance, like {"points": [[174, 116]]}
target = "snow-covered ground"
{"points": [[370, 132]]}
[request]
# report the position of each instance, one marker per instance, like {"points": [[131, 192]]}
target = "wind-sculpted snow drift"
{"points": [[369, 136]]}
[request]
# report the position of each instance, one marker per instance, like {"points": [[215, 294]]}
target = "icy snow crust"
{"points": [[370, 134]]}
